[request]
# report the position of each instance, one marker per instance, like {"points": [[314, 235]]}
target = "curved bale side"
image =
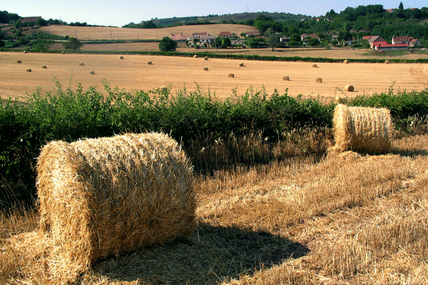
{"points": [[362, 129], [100, 197]]}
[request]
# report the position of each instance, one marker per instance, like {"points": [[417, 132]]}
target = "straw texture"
{"points": [[362, 129], [100, 197]]}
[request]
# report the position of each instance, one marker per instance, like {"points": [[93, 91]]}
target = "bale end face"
{"points": [[387, 62], [345, 61], [205, 68], [195, 56]]}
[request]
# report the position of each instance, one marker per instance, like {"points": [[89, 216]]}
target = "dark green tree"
{"points": [[167, 44], [226, 42], [1, 41], [272, 38], [401, 7], [72, 44]]}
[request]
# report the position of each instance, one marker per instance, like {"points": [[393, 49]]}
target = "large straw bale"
{"points": [[362, 129], [100, 197]]}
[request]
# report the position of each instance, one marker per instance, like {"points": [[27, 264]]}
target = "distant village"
{"points": [[376, 42]]}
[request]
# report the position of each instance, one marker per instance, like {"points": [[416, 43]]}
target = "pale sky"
{"points": [[119, 13]]}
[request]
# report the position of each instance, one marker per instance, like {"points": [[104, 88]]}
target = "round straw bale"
{"points": [[206, 58], [345, 61], [206, 68], [62, 52], [318, 80], [150, 62], [18, 61], [163, 89], [28, 70], [92, 72], [81, 63], [100, 197], [349, 88], [286, 78], [24, 51], [387, 61], [242, 64], [195, 56], [121, 57], [314, 65], [362, 129], [44, 66], [231, 75]]}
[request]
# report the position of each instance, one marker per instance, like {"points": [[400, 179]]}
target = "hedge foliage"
{"points": [[75, 113]]}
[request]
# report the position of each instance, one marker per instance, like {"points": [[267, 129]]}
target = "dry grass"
{"points": [[348, 219], [131, 74]]}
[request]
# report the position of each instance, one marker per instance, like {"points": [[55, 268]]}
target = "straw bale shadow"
{"points": [[212, 254], [410, 153]]}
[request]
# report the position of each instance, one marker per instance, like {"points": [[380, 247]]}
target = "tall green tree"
{"points": [[72, 44], [272, 38], [167, 44], [401, 7]]}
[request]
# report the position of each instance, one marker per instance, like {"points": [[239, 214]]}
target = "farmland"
{"points": [[306, 217], [133, 73]]}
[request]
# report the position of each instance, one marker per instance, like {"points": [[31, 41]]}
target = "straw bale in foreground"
{"points": [[100, 197], [362, 129]]}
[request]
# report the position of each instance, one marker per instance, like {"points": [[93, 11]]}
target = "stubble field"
{"points": [[133, 73]]}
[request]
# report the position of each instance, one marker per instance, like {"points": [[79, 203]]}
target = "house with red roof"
{"points": [[225, 35], [386, 46], [414, 43], [401, 40], [179, 38]]}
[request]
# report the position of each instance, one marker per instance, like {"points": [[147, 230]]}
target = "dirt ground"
{"points": [[133, 73]]}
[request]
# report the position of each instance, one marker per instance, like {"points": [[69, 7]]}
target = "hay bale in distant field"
{"points": [[206, 58], [387, 61], [28, 70], [92, 72], [63, 52], [205, 68], [100, 197], [121, 57], [81, 63], [318, 80], [314, 66], [18, 61], [231, 75], [150, 62], [242, 64], [362, 129], [44, 66], [195, 56], [349, 88], [24, 51], [345, 61], [286, 78], [163, 89]]}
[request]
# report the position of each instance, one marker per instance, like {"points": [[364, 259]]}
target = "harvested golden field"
{"points": [[347, 219], [114, 33], [133, 73]]}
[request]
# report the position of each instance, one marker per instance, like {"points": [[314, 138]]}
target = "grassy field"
{"points": [[133, 73], [347, 219]]}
